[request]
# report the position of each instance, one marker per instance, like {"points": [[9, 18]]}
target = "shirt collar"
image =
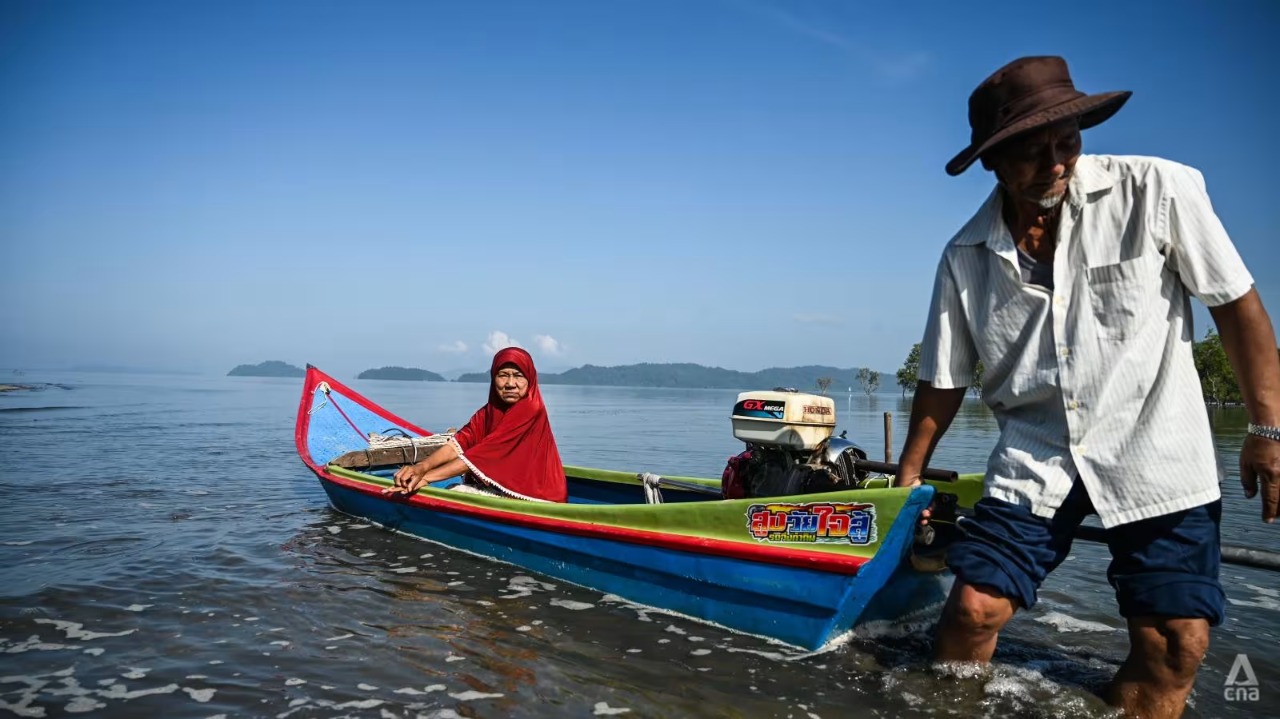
{"points": [[987, 226], [1089, 179]]}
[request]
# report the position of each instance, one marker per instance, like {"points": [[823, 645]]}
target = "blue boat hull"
{"points": [[797, 605]]}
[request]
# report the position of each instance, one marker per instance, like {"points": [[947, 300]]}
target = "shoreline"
{"points": [[36, 387]]}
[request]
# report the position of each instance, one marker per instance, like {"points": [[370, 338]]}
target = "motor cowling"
{"points": [[783, 419], [790, 449]]}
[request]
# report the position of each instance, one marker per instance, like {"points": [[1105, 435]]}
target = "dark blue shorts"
{"points": [[1160, 567]]}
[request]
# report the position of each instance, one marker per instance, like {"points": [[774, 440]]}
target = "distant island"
{"points": [[647, 374], [270, 368], [696, 376], [410, 374]]}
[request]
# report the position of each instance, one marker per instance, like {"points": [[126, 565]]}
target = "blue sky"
{"points": [[742, 183]]}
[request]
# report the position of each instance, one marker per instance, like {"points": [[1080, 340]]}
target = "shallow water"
{"points": [[164, 552]]}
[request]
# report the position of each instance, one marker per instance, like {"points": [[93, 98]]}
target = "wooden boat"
{"points": [[803, 570]]}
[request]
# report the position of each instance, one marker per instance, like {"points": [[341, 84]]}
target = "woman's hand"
{"points": [[441, 465], [408, 479]]}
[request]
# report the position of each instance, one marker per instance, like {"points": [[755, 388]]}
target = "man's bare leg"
{"points": [[1157, 676], [971, 623]]}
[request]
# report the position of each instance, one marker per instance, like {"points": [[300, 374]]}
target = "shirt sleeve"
{"points": [[947, 354], [1200, 250]]}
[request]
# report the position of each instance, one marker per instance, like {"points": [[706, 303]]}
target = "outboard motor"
{"points": [[790, 449]]}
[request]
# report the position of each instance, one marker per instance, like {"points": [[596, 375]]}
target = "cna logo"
{"points": [[1242, 683]]}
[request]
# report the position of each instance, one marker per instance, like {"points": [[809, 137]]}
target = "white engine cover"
{"points": [[789, 420]]}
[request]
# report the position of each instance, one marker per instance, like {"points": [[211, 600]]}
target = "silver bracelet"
{"points": [[1263, 430]]}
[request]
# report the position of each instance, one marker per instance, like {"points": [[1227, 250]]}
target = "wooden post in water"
{"points": [[888, 437]]}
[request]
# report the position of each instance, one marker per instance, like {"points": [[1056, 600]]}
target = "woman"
{"points": [[506, 449]]}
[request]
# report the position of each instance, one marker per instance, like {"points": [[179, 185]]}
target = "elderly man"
{"points": [[1072, 284]]}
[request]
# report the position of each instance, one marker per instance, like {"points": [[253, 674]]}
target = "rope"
{"points": [[324, 387], [652, 487], [378, 441], [404, 441]]}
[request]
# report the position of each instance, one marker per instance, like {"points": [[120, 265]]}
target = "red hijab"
{"points": [[510, 447]]}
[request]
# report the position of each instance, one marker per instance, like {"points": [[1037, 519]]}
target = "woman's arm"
{"points": [[442, 455], [441, 464]]}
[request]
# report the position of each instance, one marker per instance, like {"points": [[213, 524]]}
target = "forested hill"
{"points": [[411, 374], [270, 368], [697, 376]]}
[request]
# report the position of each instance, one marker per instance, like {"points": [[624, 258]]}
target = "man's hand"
{"points": [[1260, 467], [932, 410], [909, 476], [1250, 344]]}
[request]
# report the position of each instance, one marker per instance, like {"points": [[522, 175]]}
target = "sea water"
{"points": [[163, 552]]}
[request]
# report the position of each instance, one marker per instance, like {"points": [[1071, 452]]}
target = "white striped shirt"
{"points": [[1094, 378]]}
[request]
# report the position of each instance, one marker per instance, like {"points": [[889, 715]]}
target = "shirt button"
{"points": [[1073, 405], [1059, 301], [1080, 449], [1066, 352]]}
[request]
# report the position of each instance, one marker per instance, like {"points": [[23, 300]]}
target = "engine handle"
{"points": [[938, 475]]}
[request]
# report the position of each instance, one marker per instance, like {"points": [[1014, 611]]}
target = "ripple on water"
{"points": [[1068, 623], [75, 630], [109, 547]]}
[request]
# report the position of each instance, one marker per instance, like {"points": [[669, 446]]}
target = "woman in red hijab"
{"points": [[506, 447]]}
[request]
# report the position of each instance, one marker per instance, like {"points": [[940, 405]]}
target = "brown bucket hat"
{"points": [[1028, 93]]}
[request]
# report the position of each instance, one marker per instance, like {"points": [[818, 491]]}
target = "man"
{"points": [[1072, 284]]}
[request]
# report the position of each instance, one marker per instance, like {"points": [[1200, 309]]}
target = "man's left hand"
{"points": [[1260, 467]]}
